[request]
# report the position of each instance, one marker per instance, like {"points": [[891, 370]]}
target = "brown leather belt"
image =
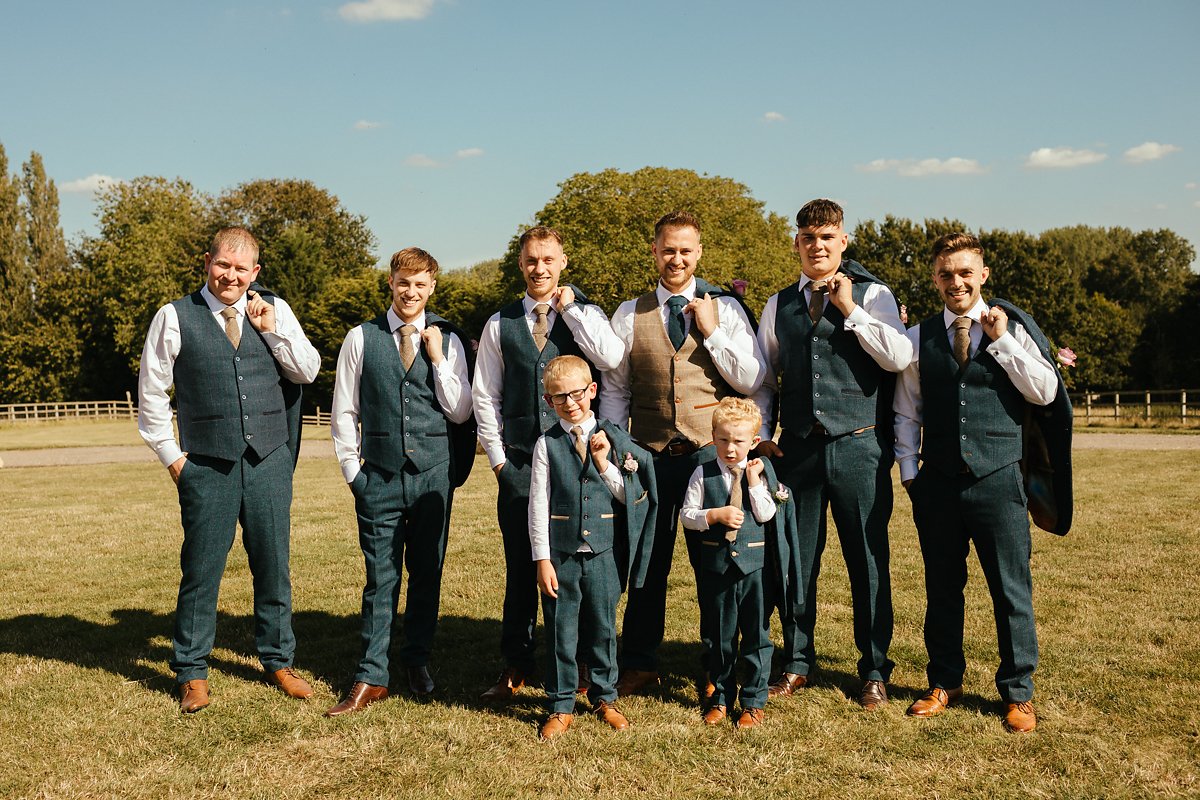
{"points": [[676, 447]]}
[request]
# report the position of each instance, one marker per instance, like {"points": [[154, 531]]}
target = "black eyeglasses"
{"points": [[561, 399]]}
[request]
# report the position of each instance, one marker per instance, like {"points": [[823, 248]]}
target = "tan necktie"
{"points": [[580, 445], [962, 341], [816, 300], [232, 329], [408, 353], [539, 326], [735, 497]]}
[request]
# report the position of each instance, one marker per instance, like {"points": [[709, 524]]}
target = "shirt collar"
{"points": [[664, 294], [588, 425], [394, 321], [216, 306], [977, 311], [529, 304]]}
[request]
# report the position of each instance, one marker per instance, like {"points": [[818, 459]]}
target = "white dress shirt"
{"points": [[297, 358], [450, 384], [876, 323], [1015, 352], [732, 346], [588, 325], [693, 514], [539, 489]]}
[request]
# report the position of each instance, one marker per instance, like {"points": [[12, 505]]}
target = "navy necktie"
{"points": [[675, 320]]}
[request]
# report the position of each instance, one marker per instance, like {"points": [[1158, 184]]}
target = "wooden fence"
{"points": [[1166, 405], [106, 409]]}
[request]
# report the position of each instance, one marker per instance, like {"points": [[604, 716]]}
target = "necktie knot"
{"points": [[408, 353], [233, 331], [820, 287], [816, 300]]}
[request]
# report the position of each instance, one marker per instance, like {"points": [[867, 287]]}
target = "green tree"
{"points": [[307, 236], [346, 301], [46, 248], [467, 297], [897, 251], [607, 223], [39, 363], [149, 251], [16, 298]]}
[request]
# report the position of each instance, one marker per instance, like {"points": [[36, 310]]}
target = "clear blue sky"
{"points": [[450, 126]]}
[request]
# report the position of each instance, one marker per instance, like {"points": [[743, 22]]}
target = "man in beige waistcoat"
{"points": [[690, 344]]}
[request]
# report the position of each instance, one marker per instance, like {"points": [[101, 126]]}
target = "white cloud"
{"points": [[1149, 151], [1062, 158], [773, 116], [919, 168], [1196, 204], [1190, 185], [385, 10], [420, 160], [1160, 206], [470, 152], [89, 185], [366, 125]]}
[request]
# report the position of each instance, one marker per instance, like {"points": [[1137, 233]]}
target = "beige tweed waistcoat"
{"points": [[671, 393]]}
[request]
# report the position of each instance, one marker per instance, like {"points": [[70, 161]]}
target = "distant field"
{"points": [[89, 570], [89, 433]]}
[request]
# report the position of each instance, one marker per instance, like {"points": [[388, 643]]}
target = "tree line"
{"points": [[74, 316]]}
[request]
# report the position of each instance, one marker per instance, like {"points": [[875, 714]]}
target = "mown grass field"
{"points": [[89, 570]]}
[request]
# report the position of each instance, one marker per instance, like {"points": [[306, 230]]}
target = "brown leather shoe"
{"points": [[934, 702], [1019, 717], [290, 683], [508, 684], [555, 725], [874, 693], [420, 683], [193, 695], [706, 689], [633, 681], [608, 712], [786, 684], [714, 715], [361, 695], [750, 718]]}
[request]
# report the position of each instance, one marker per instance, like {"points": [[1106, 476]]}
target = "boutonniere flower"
{"points": [[1066, 357], [630, 463], [782, 494]]}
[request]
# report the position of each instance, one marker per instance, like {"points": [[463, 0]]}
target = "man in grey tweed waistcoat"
{"points": [[963, 403], [834, 342], [228, 353], [400, 383], [515, 346]]}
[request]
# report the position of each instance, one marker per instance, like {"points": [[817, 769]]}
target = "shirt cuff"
{"points": [[350, 469], [495, 456], [541, 553], [169, 452], [1006, 345], [908, 469], [858, 318], [718, 341]]}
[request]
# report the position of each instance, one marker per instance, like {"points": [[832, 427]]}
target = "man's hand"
{"points": [[175, 468], [432, 338], [767, 449], [731, 517], [704, 312], [601, 447], [563, 297], [260, 313], [907, 483], [995, 323], [754, 471], [840, 294], [496, 469], [547, 578]]}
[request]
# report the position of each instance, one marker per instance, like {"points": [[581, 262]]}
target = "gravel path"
{"points": [[324, 449]]}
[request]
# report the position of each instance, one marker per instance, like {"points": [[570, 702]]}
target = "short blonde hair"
{"points": [[736, 410], [414, 259], [233, 239], [565, 366]]}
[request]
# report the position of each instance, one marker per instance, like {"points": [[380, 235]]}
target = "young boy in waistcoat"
{"points": [[591, 518], [400, 384], [744, 550]]}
